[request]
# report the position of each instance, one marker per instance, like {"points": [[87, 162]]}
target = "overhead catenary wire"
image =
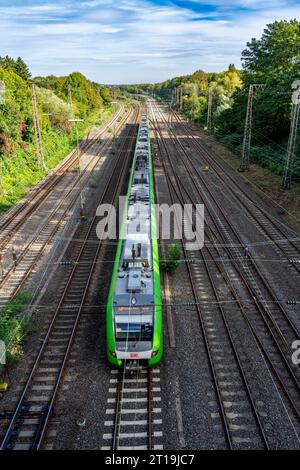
{"points": [[254, 185]]}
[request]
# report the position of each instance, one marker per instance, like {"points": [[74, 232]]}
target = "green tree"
{"points": [[18, 66], [18, 165], [277, 51], [22, 70], [274, 61]]}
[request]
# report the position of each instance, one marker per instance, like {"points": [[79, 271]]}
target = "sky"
{"points": [[134, 41]]}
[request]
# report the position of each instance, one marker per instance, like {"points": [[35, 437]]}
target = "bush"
{"points": [[14, 327], [171, 262], [19, 169], [93, 183]]}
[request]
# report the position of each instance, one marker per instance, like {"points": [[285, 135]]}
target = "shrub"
{"points": [[14, 326], [173, 255], [18, 163], [93, 183]]}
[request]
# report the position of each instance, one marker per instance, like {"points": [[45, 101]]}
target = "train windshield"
{"points": [[133, 332]]}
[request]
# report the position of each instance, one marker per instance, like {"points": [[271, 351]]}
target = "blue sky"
{"points": [[132, 41]]}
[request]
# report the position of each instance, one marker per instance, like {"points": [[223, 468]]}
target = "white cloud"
{"points": [[132, 41]]}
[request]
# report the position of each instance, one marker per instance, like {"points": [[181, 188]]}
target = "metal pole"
{"points": [[70, 101], [209, 107], [37, 129], [288, 170], [245, 157], [193, 107], [1, 265], [80, 181], [246, 149], [180, 106], [78, 160]]}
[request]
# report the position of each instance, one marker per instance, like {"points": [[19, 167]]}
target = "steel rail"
{"points": [[256, 414], [149, 382], [234, 183], [44, 189], [203, 331], [234, 231], [259, 308], [117, 412], [118, 409], [55, 229], [38, 439]]}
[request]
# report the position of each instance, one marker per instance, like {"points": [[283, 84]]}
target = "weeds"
{"points": [[173, 255], [14, 326]]}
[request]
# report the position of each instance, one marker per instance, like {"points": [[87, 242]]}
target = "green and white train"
{"points": [[134, 307]]}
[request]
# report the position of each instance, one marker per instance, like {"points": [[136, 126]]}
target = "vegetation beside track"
{"points": [[271, 61], [18, 165], [15, 326], [172, 260]]}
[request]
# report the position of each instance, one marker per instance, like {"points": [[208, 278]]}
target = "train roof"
{"points": [[134, 284]]}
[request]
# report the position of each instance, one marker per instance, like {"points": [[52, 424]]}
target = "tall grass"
{"points": [[20, 170], [15, 326]]}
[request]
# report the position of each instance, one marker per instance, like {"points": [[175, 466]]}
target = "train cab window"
{"points": [[133, 332]]}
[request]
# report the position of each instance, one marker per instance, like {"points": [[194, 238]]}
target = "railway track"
{"points": [[250, 270], [28, 424], [285, 240], [133, 411], [16, 276], [11, 222], [219, 329]]}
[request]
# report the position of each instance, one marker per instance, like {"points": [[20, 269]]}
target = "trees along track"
{"points": [[29, 423], [11, 222], [14, 279], [257, 315]]}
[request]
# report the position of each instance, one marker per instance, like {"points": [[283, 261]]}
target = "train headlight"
{"points": [[133, 300], [154, 353], [112, 353]]}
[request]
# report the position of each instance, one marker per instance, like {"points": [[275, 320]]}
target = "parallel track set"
{"points": [[263, 316], [235, 305], [286, 241], [29, 423], [14, 279], [14, 218]]}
